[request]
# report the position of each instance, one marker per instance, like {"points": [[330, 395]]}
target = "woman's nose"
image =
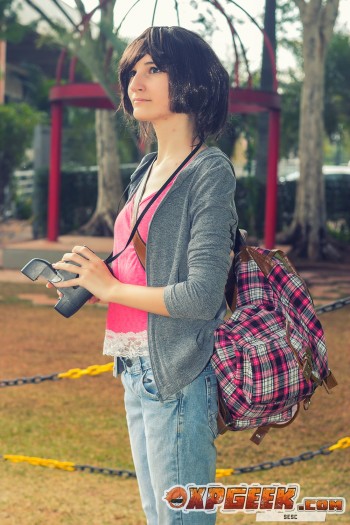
{"points": [[136, 83]]}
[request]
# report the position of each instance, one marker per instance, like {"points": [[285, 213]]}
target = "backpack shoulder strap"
{"points": [[231, 288]]}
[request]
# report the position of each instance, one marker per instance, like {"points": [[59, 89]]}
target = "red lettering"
{"points": [[336, 504], [215, 497], [267, 496], [233, 498], [252, 498], [310, 504], [285, 497], [322, 504], [196, 498]]}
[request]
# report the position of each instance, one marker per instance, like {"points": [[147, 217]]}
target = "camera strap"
{"points": [[112, 257]]}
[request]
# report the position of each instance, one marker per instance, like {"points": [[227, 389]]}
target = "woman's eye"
{"points": [[154, 69], [132, 74]]}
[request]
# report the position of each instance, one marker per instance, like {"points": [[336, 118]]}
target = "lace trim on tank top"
{"points": [[128, 344]]}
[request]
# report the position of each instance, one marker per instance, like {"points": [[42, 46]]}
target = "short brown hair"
{"points": [[198, 82]]}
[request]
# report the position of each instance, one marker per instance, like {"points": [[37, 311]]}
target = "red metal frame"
{"points": [[272, 180], [92, 95], [55, 171]]}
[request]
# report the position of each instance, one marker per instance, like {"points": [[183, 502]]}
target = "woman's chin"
{"points": [[139, 116]]}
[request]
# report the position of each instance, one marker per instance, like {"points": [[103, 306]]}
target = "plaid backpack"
{"points": [[270, 354]]}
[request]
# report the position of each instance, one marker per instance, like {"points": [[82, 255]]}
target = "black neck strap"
{"points": [[154, 198]]}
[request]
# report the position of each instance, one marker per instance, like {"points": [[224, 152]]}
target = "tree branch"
{"points": [[118, 28], [329, 15], [80, 7], [301, 4], [64, 12], [310, 12], [154, 12], [177, 12], [43, 15]]}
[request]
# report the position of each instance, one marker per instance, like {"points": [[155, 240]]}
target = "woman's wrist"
{"points": [[113, 292], [147, 298]]}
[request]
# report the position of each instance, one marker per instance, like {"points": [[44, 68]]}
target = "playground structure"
{"points": [[243, 99]]}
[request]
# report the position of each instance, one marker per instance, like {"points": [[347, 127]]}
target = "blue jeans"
{"points": [[172, 442]]}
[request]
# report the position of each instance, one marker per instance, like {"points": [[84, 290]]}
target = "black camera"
{"points": [[73, 298]]}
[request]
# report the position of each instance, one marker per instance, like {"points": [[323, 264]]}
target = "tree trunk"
{"points": [[266, 84], [110, 186], [308, 229]]}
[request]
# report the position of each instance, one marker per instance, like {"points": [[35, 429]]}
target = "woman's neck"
{"points": [[174, 138]]}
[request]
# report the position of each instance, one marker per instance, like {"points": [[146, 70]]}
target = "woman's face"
{"points": [[148, 91]]}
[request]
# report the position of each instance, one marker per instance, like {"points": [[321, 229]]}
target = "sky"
{"points": [[141, 17]]}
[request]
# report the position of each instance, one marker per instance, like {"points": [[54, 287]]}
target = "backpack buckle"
{"points": [[307, 403], [307, 364], [329, 382], [259, 434]]}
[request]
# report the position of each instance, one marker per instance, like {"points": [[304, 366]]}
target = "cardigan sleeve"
{"points": [[213, 223]]}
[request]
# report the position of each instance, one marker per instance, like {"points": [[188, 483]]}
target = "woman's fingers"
{"points": [[65, 265], [93, 300], [50, 285]]}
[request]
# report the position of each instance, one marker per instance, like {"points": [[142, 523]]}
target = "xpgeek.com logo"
{"points": [[273, 502]]}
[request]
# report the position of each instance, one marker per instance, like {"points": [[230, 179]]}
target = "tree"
{"points": [[110, 186], [17, 122], [290, 102], [266, 84], [96, 52], [16, 126], [337, 82], [10, 29], [337, 103], [308, 230]]}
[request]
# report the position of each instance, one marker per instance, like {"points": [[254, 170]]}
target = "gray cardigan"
{"points": [[188, 252]]}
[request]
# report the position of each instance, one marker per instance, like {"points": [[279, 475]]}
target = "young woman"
{"points": [[161, 318]]}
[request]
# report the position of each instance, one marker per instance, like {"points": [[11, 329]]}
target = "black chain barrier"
{"points": [[340, 303], [266, 465], [35, 380], [284, 462], [326, 450], [333, 306], [107, 471]]}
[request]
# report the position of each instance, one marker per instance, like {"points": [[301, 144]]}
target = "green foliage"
{"points": [[250, 202], [98, 50], [79, 139], [10, 29], [17, 122], [337, 101], [77, 200], [290, 99], [23, 207], [337, 82], [37, 87]]}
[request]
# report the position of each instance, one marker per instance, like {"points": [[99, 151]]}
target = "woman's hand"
{"points": [[92, 300], [92, 273]]}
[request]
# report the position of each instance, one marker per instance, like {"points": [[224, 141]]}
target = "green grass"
{"points": [[83, 421]]}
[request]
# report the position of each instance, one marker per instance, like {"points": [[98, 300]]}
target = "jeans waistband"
{"points": [[136, 365]]}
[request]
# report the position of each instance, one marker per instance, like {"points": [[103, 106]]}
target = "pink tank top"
{"points": [[126, 328]]}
